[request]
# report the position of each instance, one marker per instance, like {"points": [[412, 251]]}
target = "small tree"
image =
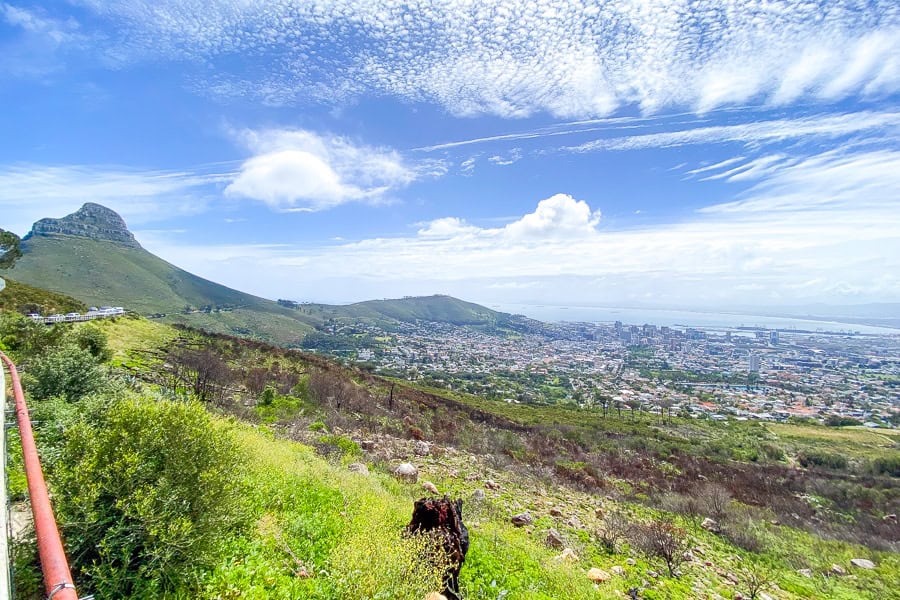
{"points": [[755, 581], [664, 541], [612, 530]]}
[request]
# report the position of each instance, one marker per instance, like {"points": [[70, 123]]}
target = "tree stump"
{"points": [[441, 518]]}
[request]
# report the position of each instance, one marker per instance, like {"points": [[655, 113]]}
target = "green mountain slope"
{"points": [[445, 309], [91, 256]]}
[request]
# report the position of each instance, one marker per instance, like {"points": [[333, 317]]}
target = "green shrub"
{"points": [[887, 465], [344, 445], [151, 490], [317, 426], [68, 372], [820, 458], [92, 339]]}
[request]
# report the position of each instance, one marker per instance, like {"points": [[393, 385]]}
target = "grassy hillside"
{"points": [[21, 298], [425, 308], [101, 272], [315, 529]]}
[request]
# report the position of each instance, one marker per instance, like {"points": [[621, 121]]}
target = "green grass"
{"points": [[855, 443], [22, 298]]}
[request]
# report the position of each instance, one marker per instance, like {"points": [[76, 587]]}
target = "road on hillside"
{"points": [[2, 284]]}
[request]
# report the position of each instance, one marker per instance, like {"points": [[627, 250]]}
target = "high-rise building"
{"points": [[773, 338], [753, 363]]}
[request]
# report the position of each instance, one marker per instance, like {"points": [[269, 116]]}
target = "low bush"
{"points": [[152, 489], [821, 458]]}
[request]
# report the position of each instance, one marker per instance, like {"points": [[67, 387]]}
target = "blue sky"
{"points": [[670, 154]]}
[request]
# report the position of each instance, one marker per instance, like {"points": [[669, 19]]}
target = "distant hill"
{"points": [[437, 308], [92, 256]]}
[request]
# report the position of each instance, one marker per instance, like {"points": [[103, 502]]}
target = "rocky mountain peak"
{"points": [[91, 221]]}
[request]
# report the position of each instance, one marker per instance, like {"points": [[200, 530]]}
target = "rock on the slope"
{"points": [[567, 555], [430, 487], [491, 484], [554, 539], [618, 570], [598, 575], [522, 519], [837, 570], [555, 512], [862, 563], [422, 448], [478, 495], [711, 525], [358, 468], [630, 562], [407, 473], [805, 572]]}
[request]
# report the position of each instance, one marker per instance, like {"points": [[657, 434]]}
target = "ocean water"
{"points": [[684, 318]]}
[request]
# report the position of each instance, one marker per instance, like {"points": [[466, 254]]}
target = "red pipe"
{"points": [[57, 578]]}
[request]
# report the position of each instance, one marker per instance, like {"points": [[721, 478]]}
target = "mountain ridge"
{"points": [[92, 256]]}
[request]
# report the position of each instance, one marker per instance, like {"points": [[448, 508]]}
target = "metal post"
{"points": [[5, 531], [57, 578]]}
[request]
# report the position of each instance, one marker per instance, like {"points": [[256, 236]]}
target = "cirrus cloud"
{"points": [[519, 57]]}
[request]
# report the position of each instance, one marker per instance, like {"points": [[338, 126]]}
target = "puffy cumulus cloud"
{"points": [[559, 216], [302, 171], [518, 57]]}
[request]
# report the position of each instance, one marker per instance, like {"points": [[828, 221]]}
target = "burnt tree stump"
{"points": [[441, 518]]}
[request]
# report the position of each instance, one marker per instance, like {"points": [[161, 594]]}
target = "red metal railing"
{"points": [[57, 578]]}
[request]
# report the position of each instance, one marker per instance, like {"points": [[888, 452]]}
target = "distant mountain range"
{"points": [[91, 256]]}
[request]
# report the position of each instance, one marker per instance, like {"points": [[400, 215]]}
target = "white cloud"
{"points": [[822, 228], [829, 126], [301, 170], [30, 192], [514, 156], [570, 59], [38, 41]]}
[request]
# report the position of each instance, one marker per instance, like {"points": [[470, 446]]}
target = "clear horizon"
{"points": [[703, 156]]}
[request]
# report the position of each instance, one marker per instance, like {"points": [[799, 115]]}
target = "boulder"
{"points": [[618, 570], [522, 519], [555, 512], [574, 522], [407, 473], [862, 563], [478, 495], [630, 562], [805, 572], [837, 570], [711, 525], [567, 555], [554, 539], [491, 484], [422, 448], [430, 487], [598, 575], [359, 468]]}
